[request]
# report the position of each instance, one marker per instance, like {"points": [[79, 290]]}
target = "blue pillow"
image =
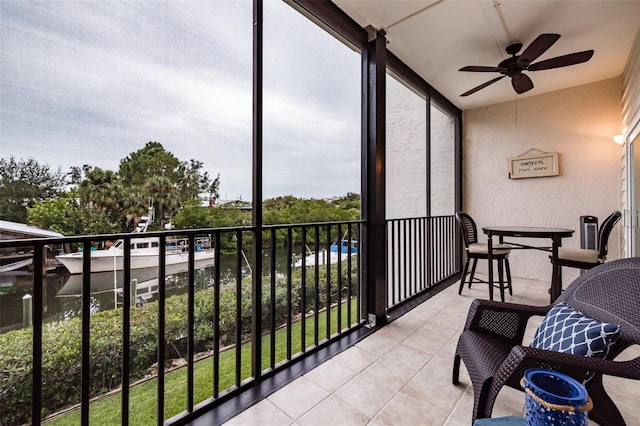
{"points": [[566, 330]]}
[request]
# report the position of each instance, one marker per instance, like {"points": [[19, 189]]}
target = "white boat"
{"points": [[16, 265], [106, 282], [145, 253], [338, 251]]}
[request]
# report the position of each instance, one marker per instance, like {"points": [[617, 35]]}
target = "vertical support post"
{"points": [[256, 251], [374, 209]]}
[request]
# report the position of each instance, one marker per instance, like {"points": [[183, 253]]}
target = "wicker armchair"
{"points": [[492, 349]]}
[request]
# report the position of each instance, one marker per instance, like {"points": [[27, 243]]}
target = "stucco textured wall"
{"points": [[578, 123]]}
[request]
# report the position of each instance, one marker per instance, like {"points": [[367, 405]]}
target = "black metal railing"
{"points": [[311, 288], [202, 312], [421, 252]]}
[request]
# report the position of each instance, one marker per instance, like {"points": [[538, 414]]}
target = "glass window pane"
{"points": [[406, 151]]}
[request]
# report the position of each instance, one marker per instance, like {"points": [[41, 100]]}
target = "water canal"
{"points": [[62, 292]]}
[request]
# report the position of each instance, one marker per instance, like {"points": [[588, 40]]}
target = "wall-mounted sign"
{"points": [[534, 165]]}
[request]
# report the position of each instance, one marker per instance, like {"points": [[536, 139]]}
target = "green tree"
{"points": [[169, 183], [100, 189], [151, 160], [135, 204], [23, 183], [164, 196], [65, 215], [194, 182], [195, 216]]}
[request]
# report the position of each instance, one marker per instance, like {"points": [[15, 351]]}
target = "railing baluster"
{"points": [[391, 258], [216, 316], [358, 277], [349, 282], [238, 336], [191, 321], [161, 326], [303, 294], [423, 260], [339, 284], [38, 281], [404, 260], [328, 280], [272, 304], [316, 283], [289, 289], [126, 333], [412, 256], [86, 324]]}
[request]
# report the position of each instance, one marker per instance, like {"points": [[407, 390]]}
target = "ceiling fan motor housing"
{"points": [[513, 48]]}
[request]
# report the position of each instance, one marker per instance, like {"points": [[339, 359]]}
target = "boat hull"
{"points": [[114, 261]]}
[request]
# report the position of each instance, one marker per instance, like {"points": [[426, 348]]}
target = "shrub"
{"points": [[62, 351]]}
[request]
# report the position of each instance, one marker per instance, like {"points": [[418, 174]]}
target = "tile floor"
{"points": [[401, 375]]}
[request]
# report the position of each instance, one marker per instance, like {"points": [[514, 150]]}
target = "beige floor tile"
{"points": [[356, 358], [405, 410], [431, 337], [378, 344], [452, 421], [433, 384], [408, 356], [408, 322], [263, 413], [389, 373], [394, 332], [298, 397], [401, 375], [334, 411], [463, 410], [509, 401], [424, 312], [366, 395], [330, 375]]}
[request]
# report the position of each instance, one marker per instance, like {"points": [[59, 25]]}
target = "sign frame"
{"points": [[542, 164]]}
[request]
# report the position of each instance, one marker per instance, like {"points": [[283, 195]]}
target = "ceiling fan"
{"points": [[514, 65]]}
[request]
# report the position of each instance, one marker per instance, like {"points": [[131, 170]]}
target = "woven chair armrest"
{"points": [[507, 321], [576, 364]]}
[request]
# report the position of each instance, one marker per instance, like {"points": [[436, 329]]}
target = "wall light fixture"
{"points": [[619, 139]]}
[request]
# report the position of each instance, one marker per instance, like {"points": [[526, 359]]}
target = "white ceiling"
{"points": [[438, 37]]}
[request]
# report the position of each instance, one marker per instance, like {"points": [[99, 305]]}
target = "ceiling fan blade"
{"points": [[482, 86], [562, 61], [537, 48], [521, 83], [481, 69]]}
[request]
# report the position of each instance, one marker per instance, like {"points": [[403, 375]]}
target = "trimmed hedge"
{"points": [[61, 344]]}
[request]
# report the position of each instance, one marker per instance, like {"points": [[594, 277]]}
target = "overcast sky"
{"points": [[90, 82]]}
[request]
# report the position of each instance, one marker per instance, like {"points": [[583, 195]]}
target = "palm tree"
{"points": [[164, 196]]}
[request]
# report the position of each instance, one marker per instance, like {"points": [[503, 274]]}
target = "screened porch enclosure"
{"points": [[282, 99]]}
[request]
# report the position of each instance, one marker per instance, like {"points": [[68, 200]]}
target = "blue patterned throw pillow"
{"points": [[566, 330]]}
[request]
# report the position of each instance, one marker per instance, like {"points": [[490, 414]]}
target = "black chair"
{"points": [[475, 250], [588, 258], [494, 354]]}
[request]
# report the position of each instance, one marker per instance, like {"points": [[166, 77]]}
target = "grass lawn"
{"points": [[143, 397]]}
